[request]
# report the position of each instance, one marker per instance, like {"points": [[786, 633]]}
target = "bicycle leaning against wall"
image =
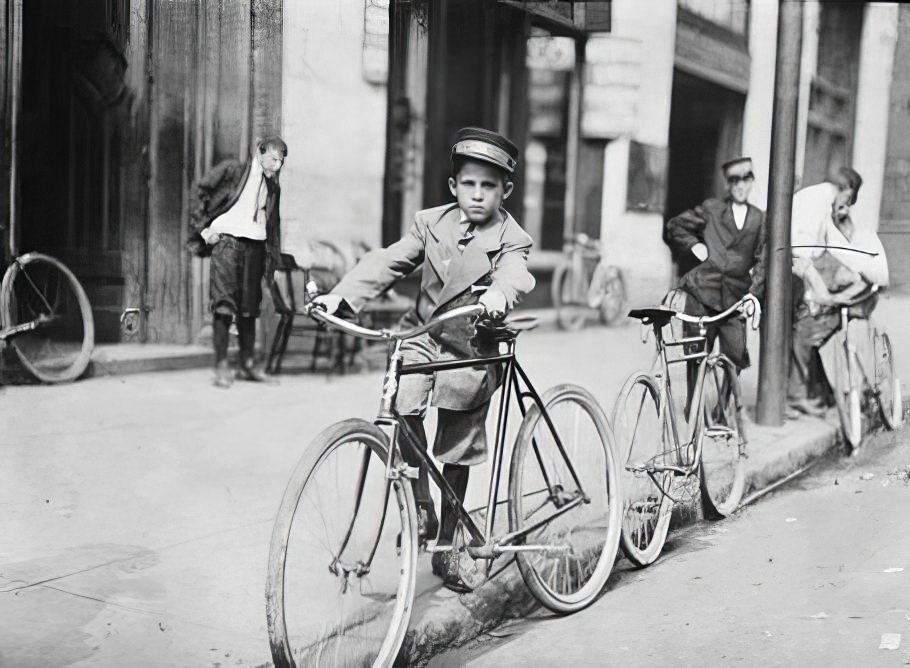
{"points": [[583, 282], [46, 318], [343, 556], [660, 468]]}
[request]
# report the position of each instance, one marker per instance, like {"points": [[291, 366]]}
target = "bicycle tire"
{"points": [[589, 563], [570, 311], [40, 286], [855, 427], [887, 384], [848, 400], [647, 508], [323, 639], [722, 469]]}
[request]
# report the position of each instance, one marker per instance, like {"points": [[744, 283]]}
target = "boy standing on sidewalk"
{"points": [[472, 252], [235, 219]]}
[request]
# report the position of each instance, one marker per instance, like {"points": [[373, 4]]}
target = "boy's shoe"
{"points": [[248, 371], [224, 378], [427, 522], [813, 408], [456, 576]]}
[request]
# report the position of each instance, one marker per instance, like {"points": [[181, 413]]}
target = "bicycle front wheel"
{"points": [[640, 439], [41, 292], [568, 298], [564, 492], [723, 452], [343, 555], [887, 385]]}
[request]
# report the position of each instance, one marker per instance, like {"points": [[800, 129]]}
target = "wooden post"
{"points": [[777, 328]]}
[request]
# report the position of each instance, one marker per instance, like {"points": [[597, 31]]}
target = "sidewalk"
{"points": [[138, 508], [443, 620]]}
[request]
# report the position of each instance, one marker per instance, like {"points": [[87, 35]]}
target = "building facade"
{"points": [[623, 112]]}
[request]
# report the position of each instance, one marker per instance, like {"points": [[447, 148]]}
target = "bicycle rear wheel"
{"points": [[568, 297], [723, 456], [580, 544], [640, 439], [887, 385], [40, 290], [342, 559]]}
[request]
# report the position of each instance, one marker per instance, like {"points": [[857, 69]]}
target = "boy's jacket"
{"points": [[496, 258]]}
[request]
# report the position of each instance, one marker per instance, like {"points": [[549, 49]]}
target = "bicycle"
{"points": [[345, 534], [584, 281], [46, 318], [659, 468], [862, 380]]}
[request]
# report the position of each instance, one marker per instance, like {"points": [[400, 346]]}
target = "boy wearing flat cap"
{"points": [[472, 251], [725, 239]]}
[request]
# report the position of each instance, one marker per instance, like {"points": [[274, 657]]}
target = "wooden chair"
{"points": [[288, 288]]}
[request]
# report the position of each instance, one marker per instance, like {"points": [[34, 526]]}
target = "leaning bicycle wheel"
{"points": [[42, 296], [568, 297], [723, 452], [564, 492], [343, 555], [640, 440], [887, 385]]}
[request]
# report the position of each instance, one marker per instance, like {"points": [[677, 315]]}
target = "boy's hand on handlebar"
{"points": [[494, 302], [329, 303]]}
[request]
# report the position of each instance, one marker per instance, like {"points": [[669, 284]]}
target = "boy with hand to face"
{"points": [[472, 252]]}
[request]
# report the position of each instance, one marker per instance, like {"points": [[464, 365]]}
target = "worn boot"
{"points": [[224, 378]]}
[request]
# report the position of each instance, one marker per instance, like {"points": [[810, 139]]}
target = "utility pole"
{"points": [[777, 328]]}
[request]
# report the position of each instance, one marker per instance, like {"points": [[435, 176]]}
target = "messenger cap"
{"points": [[486, 145]]}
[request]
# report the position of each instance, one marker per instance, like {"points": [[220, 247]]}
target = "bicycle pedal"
{"points": [[439, 548]]}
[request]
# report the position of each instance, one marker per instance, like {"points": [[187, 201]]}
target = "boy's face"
{"points": [[479, 190], [271, 161]]}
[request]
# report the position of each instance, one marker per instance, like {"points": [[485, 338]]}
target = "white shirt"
{"points": [[739, 214], [247, 217]]}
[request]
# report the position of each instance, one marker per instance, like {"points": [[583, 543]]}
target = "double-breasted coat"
{"points": [[736, 258], [494, 259]]}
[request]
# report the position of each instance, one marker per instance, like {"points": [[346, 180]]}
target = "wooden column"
{"points": [[266, 68], [777, 330]]}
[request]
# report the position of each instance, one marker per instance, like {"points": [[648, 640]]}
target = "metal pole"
{"points": [[777, 327]]}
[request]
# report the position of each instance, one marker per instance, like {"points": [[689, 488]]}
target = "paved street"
{"points": [[141, 506], [136, 510], [811, 576]]}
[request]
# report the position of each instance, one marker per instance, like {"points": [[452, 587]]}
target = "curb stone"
{"points": [[459, 619]]}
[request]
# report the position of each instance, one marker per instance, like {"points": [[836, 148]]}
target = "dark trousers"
{"points": [[414, 438], [732, 335], [809, 333], [237, 268]]}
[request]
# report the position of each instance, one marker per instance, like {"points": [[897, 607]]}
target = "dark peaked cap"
{"points": [[735, 161], [486, 145]]}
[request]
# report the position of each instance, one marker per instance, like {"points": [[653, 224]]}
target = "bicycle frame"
{"points": [[482, 544], [683, 465]]}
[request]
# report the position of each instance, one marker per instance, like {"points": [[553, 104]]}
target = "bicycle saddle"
{"points": [[659, 315]]}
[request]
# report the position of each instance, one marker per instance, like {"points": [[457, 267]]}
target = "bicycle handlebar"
{"points": [[873, 290], [748, 306], [347, 327]]}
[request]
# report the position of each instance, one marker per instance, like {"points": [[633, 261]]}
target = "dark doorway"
{"points": [[74, 116], [705, 131]]}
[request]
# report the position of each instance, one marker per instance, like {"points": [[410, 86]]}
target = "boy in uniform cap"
{"points": [[726, 239], [472, 251]]}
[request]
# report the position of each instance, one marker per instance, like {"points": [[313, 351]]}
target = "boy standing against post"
{"points": [[472, 252], [235, 219]]}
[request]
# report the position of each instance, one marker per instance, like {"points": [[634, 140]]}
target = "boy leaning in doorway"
{"points": [[472, 252]]}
